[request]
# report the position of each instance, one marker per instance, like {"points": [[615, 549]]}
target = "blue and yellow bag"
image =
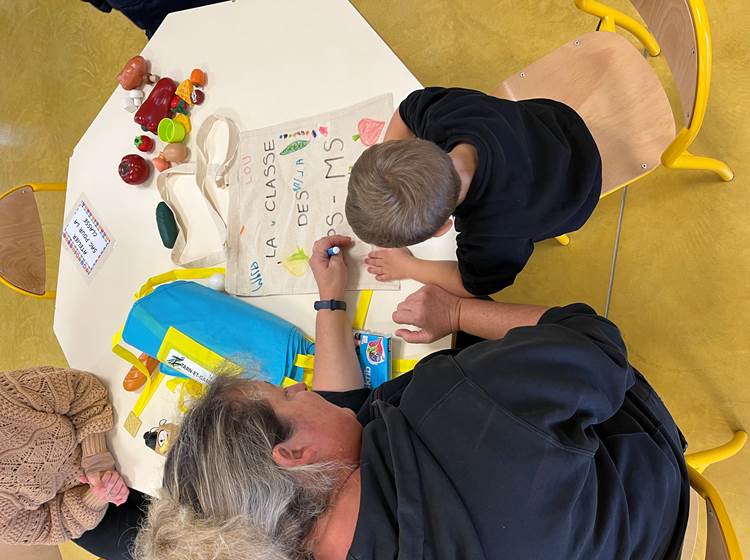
{"points": [[196, 333]]}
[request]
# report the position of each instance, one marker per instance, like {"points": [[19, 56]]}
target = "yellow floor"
{"points": [[680, 288]]}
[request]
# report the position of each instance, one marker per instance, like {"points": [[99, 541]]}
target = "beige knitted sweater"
{"points": [[51, 420]]}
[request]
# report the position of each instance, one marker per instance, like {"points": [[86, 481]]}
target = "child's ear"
{"points": [[445, 228]]}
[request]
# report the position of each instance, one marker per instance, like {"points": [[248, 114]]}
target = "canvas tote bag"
{"points": [[287, 187]]}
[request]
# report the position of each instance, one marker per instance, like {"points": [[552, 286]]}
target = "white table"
{"points": [[332, 59]]}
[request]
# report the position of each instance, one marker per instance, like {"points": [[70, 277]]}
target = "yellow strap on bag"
{"points": [[177, 274], [403, 366], [183, 385], [304, 361], [363, 306], [127, 355]]}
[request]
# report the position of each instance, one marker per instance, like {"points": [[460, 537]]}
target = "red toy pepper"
{"points": [[133, 169], [156, 107], [144, 143]]}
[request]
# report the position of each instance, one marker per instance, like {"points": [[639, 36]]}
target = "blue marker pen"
{"points": [[333, 251]]}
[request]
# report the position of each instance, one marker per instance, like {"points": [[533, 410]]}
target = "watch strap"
{"points": [[332, 304]]}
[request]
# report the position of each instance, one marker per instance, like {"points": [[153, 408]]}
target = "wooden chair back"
{"points": [[22, 260], [691, 531], [616, 93], [671, 22]]}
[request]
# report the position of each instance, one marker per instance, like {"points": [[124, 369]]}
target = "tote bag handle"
{"points": [[209, 178]]}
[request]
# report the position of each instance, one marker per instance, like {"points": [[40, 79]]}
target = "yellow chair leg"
{"points": [[689, 161], [563, 239], [610, 18], [701, 460]]}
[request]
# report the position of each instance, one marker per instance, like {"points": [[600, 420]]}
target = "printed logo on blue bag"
{"points": [[188, 367]]}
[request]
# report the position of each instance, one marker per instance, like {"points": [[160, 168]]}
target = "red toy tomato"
{"points": [[134, 170], [144, 143]]}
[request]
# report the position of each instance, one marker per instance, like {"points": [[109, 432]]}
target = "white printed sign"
{"points": [[86, 238]]}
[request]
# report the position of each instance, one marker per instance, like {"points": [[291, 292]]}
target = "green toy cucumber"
{"points": [[167, 225]]}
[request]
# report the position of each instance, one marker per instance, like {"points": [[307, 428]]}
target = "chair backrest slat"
{"points": [[671, 23]]}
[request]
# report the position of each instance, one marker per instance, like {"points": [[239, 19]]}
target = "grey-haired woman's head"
{"points": [[252, 469]]}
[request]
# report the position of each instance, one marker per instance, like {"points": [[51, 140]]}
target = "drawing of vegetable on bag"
{"points": [[369, 131], [296, 263], [295, 146]]}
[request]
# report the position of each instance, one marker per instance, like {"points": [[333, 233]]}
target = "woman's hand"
{"points": [[330, 273], [435, 312], [108, 486]]}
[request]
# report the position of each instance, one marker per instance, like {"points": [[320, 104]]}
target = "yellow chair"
{"points": [[721, 540], [22, 258], [618, 94]]}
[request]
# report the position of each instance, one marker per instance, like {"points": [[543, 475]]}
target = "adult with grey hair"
{"points": [[541, 441]]}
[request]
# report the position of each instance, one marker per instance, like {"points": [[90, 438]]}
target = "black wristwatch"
{"points": [[332, 304]]}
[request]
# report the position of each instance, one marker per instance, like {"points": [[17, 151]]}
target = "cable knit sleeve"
{"points": [[78, 395], [67, 516]]}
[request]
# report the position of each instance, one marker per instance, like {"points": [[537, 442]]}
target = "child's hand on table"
{"points": [[108, 486], [390, 264]]}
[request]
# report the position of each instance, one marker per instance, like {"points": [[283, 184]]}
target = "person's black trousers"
{"points": [[113, 538]]}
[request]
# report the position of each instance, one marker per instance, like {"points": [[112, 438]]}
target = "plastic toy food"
{"points": [[156, 106], [175, 153], [197, 96], [184, 120], [135, 73], [166, 224], [134, 379], [369, 131], [198, 77], [170, 130], [133, 169], [184, 90], [144, 143], [160, 164], [132, 100], [178, 105]]}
